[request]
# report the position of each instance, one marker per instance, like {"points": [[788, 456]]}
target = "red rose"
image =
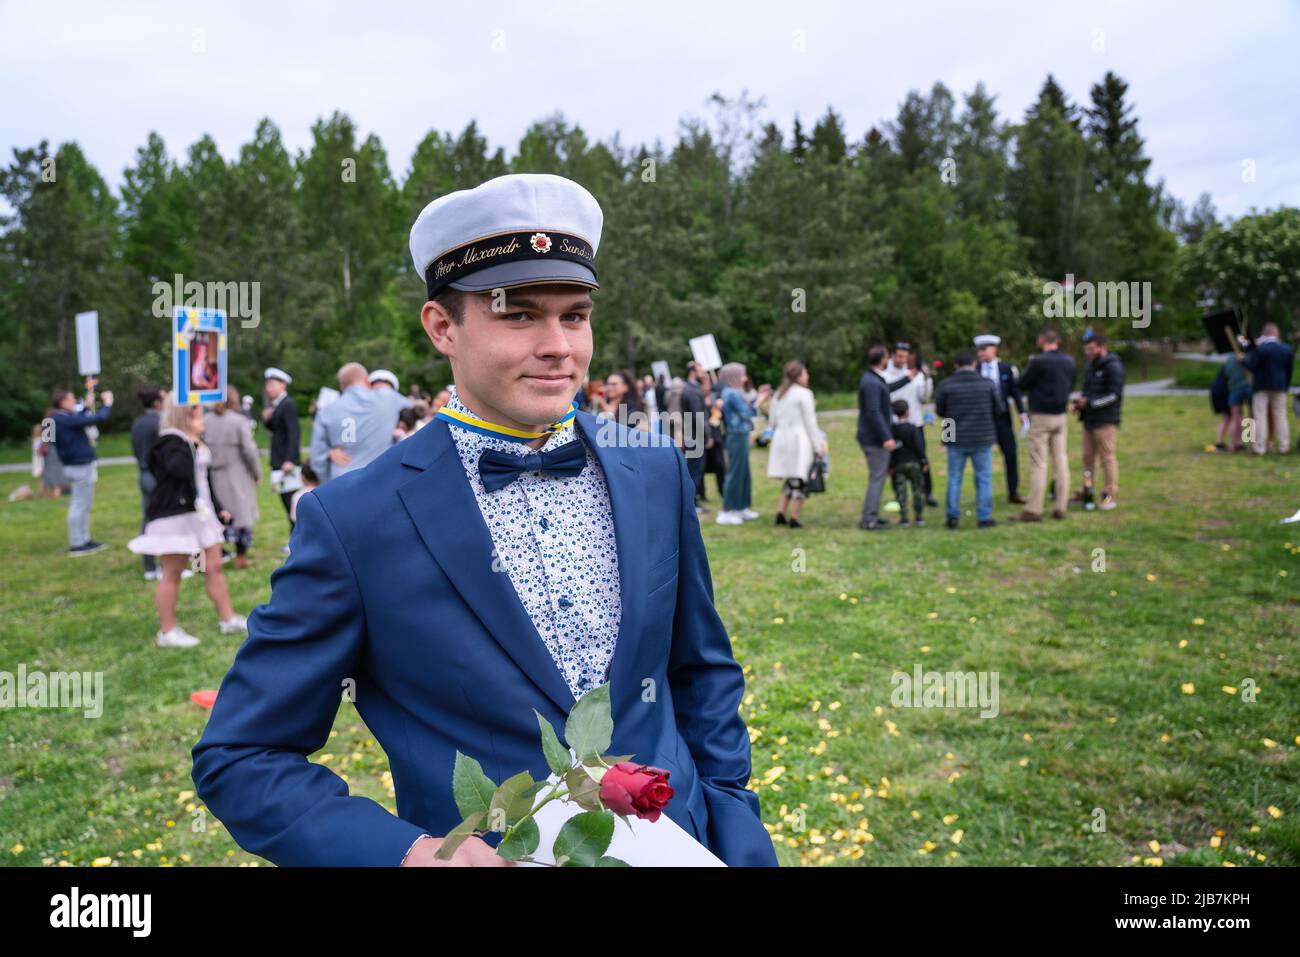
{"points": [[631, 788]]}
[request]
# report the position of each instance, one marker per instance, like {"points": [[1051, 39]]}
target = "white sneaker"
{"points": [[236, 624], [178, 637], [749, 514], [153, 576], [187, 573], [730, 518]]}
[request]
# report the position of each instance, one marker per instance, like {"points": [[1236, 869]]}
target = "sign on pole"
{"points": [[660, 368], [705, 351], [198, 355], [88, 342]]}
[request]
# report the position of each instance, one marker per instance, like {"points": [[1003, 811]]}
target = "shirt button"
{"points": [[565, 602]]}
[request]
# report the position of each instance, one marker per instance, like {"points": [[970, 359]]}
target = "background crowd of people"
{"points": [[199, 466]]}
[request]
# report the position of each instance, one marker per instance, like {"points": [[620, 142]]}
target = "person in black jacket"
{"points": [[185, 522], [1047, 382], [281, 418], [1099, 408], [874, 436], [966, 404], [905, 463], [1006, 383]]}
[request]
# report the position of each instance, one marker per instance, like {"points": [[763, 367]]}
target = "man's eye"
{"points": [[576, 316], [517, 315]]}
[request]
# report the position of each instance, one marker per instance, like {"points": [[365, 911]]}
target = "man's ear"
{"points": [[439, 327]]}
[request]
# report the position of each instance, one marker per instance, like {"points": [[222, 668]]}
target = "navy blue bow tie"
{"points": [[498, 469]]}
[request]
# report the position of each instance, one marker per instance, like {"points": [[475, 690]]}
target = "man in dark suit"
{"points": [[514, 554], [1006, 386], [281, 418], [874, 435]]}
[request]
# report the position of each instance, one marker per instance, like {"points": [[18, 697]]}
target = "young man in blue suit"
{"points": [[512, 555]]}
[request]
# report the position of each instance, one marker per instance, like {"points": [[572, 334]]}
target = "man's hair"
{"points": [[149, 396], [1098, 338], [877, 355], [1050, 335], [350, 373], [900, 408], [963, 359], [1269, 329], [453, 300], [58, 395]]}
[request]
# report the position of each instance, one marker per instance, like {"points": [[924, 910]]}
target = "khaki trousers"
{"points": [[1099, 442], [1266, 406], [1047, 440]]}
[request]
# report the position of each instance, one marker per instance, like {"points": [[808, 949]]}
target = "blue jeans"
{"points": [[981, 457]]}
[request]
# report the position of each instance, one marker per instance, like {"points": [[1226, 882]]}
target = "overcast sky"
{"points": [[1214, 83]]}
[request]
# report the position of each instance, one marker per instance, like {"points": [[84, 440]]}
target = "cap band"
{"points": [[525, 245]]}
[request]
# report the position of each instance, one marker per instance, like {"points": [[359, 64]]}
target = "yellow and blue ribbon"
{"points": [[473, 423]]}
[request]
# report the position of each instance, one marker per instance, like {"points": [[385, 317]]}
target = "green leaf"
{"points": [[471, 788], [513, 800], [558, 758], [583, 791], [608, 760], [584, 838], [521, 841], [590, 727], [612, 862], [457, 835]]}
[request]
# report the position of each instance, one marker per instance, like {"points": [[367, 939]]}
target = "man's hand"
{"points": [[340, 457], [106, 397], [286, 467], [890, 445], [473, 852], [911, 372], [267, 413]]}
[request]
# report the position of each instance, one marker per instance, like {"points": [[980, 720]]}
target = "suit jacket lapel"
{"points": [[446, 515]]}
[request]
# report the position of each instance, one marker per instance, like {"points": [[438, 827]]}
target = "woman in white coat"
{"points": [[796, 440]]}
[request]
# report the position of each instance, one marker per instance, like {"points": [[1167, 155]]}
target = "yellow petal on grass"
{"points": [[1228, 689], [1274, 812], [102, 862], [1182, 643], [1215, 841], [949, 818], [1023, 762], [916, 815], [778, 621], [1150, 577], [1189, 688], [1154, 862], [17, 849], [1165, 739], [956, 836], [1198, 621], [1154, 845], [932, 615], [844, 596], [951, 590], [1268, 742], [925, 649]]}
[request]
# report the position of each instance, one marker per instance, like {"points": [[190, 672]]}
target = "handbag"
{"points": [[816, 481]]}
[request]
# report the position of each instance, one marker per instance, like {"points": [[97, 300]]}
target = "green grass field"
{"points": [[1198, 594]]}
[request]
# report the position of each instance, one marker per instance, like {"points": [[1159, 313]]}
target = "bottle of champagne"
{"points": [[1089, 501]]}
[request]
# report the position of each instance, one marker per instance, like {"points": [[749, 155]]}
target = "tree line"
{"points": [[941, 223]]}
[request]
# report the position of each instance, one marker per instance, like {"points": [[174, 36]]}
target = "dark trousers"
{"points": [[903, 476], [695, 466], [1007, 443], [286, 499], [927, 482]]}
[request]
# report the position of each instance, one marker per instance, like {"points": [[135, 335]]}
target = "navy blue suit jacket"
{"points": [[392, 584]]}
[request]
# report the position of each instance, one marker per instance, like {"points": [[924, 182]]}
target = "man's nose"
{"points": [[553, 339]]}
